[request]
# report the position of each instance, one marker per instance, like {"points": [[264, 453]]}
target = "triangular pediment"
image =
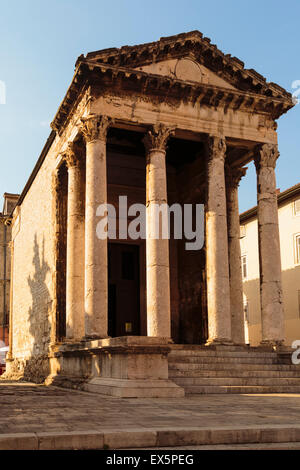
{"points": [[186, 69], [210, 63], [188, 66]]}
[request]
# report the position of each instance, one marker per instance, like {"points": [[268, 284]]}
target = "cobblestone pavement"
{"points": [[27, 407]]}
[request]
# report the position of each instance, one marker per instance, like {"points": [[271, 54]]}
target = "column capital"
{"points": [[157, 137], [234, 175], [72, 155], [266, 155], [95, 127], [216, 147]]}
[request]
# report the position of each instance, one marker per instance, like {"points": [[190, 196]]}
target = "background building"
{"points": [[10, 201], [289, 229]]}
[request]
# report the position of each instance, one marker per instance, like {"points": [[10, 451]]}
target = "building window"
{"points": [[244, 267], [297, 249], [297, 207]]}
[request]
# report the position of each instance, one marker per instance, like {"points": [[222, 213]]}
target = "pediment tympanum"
{"points": [[186, 69]]}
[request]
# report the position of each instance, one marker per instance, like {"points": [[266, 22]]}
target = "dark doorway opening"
{"points": [[123, 290]]}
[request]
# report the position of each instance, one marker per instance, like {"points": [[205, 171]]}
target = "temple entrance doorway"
{"points": [[123, 289]]}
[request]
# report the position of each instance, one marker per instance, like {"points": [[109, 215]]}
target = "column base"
{"points": [[219, 342], [129, 366], [275, 345], [88, 338], [128, 388]]}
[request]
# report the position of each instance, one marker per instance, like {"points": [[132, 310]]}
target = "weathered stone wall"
{"points": [[33, 266]]}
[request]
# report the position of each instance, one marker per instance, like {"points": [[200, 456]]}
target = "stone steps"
{"points": [[228, 359], [174, 373], [242, 381], [239, 370], [186, 366], [218, 389], [221, 353]]}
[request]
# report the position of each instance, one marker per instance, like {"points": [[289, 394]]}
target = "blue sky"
{"points": [[40, 41]]}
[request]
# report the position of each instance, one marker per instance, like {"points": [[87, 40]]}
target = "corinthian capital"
{"points": [[73, 155], [157, 137], [216, 147], [95, 127], [234, 176], [266, 156]]}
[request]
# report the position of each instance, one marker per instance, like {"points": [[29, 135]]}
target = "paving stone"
{"points": [[37, 409]]}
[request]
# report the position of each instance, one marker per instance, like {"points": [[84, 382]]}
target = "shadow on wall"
{"points": [[36, 368], [291, 300]]}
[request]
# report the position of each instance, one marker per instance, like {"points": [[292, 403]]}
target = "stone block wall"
{"points": [[33, 273]]}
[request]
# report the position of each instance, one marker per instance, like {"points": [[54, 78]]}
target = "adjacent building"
{"points": [[10, 201], [289, 231]]}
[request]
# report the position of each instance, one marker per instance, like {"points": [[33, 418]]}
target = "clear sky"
{"points": [[40, 41]]}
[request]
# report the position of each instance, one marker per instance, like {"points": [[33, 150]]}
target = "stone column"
{"points": [[272, 312], [75, 245], [96, 283], [218, 292], [233, 178], [157, 250]]}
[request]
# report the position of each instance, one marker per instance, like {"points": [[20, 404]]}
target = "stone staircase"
{"points": [[232, 369]]}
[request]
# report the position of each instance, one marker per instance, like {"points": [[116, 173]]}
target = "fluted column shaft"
{"points": [[218, 292], [75, 245], [233, 177], [96, 283], [272, 312], [157, 249]]}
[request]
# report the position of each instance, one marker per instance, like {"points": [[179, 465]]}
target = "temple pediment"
{"points": [[186, 69], [195, 56]]}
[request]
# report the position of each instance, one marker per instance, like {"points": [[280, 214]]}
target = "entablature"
{"points": [[163, 89]]}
